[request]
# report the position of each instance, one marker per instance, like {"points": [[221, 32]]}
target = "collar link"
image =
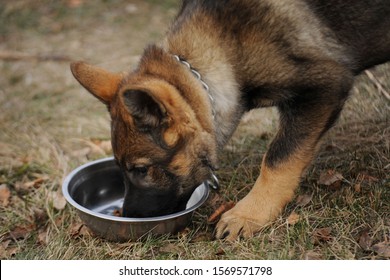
{"points": [[199, 77]]}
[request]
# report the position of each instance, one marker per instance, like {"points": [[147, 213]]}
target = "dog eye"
{"points": [[140, 170]]}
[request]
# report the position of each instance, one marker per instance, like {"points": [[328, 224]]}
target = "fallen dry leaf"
{"points": [[293, 218], [75, 229], [79, 230], [313, 255], [304, 199], [5, 244], [26, 186], [170, 248], [104, 145], [382, 249], [81, 153], [363, 178], [331, 179], [322, 235], [5, 195], [3, 253], [58, 200], [21, 188], [98, 147], [3, 249], [85, 231], [43, 237], [366, 177], [357, 187], [220, 210], [365, 240], [220, 252], [59, 221], [40, 216], [12, 251], [215, 199], [39, 179], [202, 237], [184, 232], [20, 232], [95, 147]]}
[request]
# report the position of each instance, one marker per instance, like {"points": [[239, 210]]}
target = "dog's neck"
{"points": [[222, 89], [199, 77]]}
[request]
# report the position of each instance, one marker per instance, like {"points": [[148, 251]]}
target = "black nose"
{"points": [[146, 214], [146, 210], [142, 203], [148, 203]]}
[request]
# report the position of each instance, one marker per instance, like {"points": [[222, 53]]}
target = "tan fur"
{"points": [[181, 164]]}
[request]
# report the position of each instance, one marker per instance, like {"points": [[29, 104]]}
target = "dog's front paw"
{"points": [[263, 204], [248, 217], [231, 226], [239, 222]]}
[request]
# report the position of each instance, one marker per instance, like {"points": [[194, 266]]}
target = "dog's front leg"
{"points": [[311, 110]]}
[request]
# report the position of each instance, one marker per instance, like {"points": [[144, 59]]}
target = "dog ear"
{"points": [[147, 112], [101, 83]]}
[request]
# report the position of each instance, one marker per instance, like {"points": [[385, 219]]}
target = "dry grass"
{"points": [[49, 125]]}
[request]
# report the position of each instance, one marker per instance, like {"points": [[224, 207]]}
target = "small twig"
{"points": [[16, 56], [377, 84]]}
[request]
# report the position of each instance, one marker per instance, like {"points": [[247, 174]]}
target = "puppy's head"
{"points": [[160, 145]]}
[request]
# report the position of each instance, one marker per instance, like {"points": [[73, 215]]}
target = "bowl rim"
{"points": [[70, 200]]}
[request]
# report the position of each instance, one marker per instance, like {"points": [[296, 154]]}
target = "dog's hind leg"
{"points": [[313, 107]]}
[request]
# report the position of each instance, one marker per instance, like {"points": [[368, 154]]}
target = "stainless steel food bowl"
{"points": [[96, 190]]}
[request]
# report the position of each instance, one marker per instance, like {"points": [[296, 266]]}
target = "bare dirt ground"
{"points": [[50, 125]]}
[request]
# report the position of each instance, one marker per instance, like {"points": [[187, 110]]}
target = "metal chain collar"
{"points": [[213, 182], [199, 77]]}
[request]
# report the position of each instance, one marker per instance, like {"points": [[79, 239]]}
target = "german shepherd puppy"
{"points": [[174, 113]]}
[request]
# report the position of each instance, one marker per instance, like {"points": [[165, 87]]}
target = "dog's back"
{"points": [[355, 33], [362, 26]]}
